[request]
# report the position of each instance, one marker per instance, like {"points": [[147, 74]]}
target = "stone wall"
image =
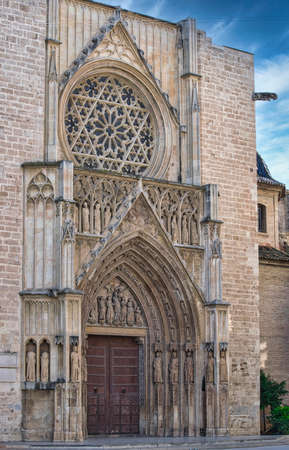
{"points": [[269, 197], [274, 330], [22, 50], [228, 158]]}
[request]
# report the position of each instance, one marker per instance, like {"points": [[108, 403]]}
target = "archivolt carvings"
{"points": [[98, 199], [109, 125], [116, 307], [179, 211]]}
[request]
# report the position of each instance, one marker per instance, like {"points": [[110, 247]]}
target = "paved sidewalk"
{"points": [[146, 443]]}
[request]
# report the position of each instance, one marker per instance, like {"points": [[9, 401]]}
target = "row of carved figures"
{"points": [[33, 365], [183, 230], [31, 362], [116, 310], [94, 219], [173, 368], [91, 219]]}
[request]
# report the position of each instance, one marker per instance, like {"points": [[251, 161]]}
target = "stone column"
{"points": [[65, 228], [216, 370], [189, 105], [51, 91]]}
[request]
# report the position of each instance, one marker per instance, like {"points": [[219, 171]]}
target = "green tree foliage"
{"points": [[271, 392], [280, 420]]}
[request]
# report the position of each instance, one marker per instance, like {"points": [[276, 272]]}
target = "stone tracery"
{"points": [[109, 125]]}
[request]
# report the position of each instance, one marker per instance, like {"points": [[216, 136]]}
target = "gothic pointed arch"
{"points": [[136, 286], [147, 269]]}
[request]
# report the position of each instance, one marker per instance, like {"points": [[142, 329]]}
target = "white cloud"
{"points": [[272, 75], [272, 124], [220, 30], [156, 9]]}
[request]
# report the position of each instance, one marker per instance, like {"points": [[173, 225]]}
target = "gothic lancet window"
{"points": [[109, 125], [262, 225]]}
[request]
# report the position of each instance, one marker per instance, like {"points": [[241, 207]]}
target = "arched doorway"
{"points": [[139, 292]]}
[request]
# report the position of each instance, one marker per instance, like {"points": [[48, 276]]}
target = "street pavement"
{"points": [[147, 443]]}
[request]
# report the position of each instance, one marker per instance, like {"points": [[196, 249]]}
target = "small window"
{"points": [[262, 226]]}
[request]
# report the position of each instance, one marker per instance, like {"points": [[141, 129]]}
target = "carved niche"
{"points": [[40, 213], [30, 363], [115, 306], [44, 361], [179, 211]]}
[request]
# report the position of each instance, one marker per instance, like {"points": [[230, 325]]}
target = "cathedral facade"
{"points": [[129, 235]]}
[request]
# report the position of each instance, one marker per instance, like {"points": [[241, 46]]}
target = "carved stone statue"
{"points": [[97, 226], [85, 218], [116, 305], [107, 216], [74, 365], [138, 317], [157, 366], [189, 369], [174, 368], [76, 225], [210, 368], [174, 228], [44, 376], [223, 367], [30, 366], [130, 313], [123, 312], [92, 317], [109, 311], [195, 229], [102, 309], [185, 230]]}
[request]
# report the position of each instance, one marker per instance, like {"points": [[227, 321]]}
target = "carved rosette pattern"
{"points": [[109, 125], [179, 211], [98, 199]]}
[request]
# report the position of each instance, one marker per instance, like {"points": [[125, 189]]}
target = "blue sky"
{"points": [[257, 26]]}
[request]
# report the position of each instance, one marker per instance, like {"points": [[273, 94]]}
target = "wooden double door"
{"points": [[112, 385]]}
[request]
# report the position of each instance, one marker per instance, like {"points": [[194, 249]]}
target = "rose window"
{"points": [[110, 126]]}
